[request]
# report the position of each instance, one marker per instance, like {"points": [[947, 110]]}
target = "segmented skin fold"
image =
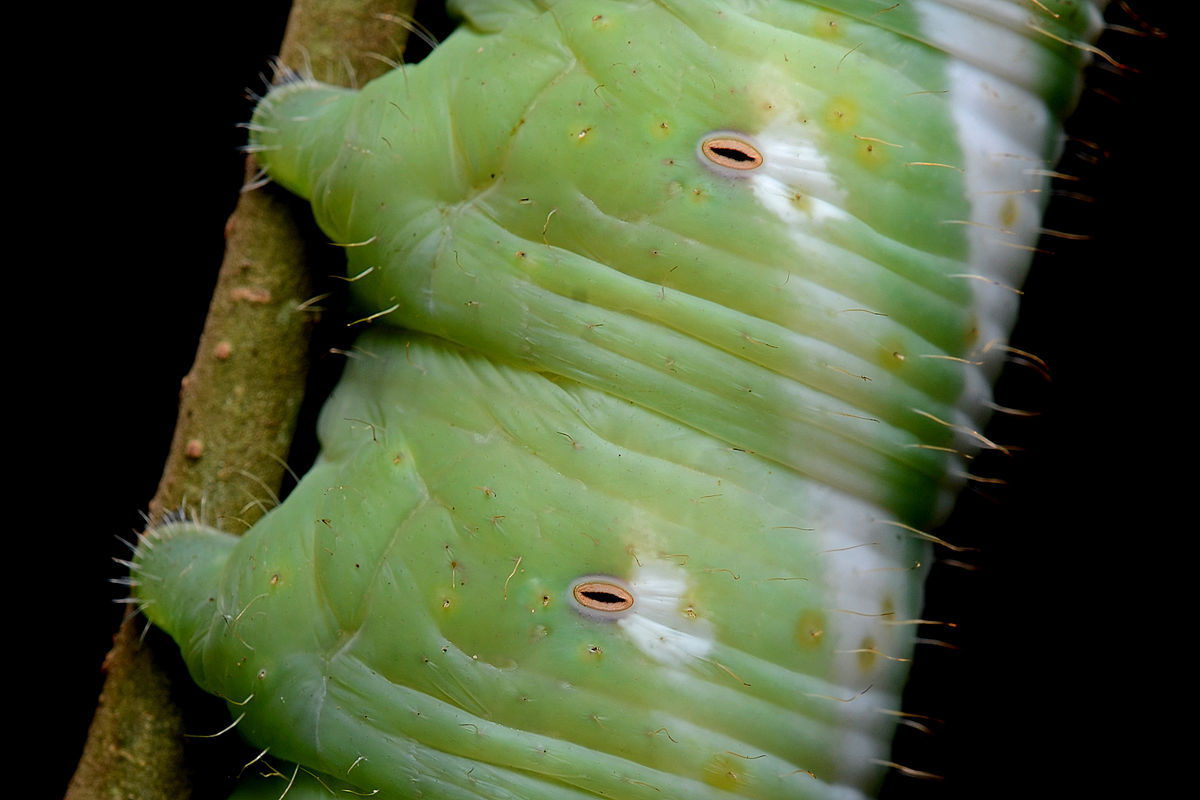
{"points": [[682, 321]]}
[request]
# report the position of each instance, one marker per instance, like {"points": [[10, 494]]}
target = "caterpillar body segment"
{"points": [[683, 322]]}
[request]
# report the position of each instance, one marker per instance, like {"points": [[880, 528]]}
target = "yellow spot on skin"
{"points": [[866, 654], [972, 334], [810, 630], [1009, 213], [872, 154], [828, 26], [723, 772], [842, 114], [802, 202], [891, 355]]}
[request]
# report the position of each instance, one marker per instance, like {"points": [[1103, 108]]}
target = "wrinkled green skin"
{"points": [[593, 354]]}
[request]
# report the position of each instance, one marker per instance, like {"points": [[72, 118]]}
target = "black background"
{"points": [[1065, 656]]}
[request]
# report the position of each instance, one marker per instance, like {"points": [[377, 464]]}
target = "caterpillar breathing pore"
{"points": [[683, 321]]}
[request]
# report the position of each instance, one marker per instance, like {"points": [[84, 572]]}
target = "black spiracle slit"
{"points": [[601, 596], [731, 152]]}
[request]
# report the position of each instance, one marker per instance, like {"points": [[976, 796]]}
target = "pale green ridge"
{"points": [[542, 271], [428, 552]]}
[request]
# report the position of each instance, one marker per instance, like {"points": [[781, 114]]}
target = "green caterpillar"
{"points": [[683, 321]]}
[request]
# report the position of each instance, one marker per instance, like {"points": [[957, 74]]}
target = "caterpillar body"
{"points": [[683, 321]]}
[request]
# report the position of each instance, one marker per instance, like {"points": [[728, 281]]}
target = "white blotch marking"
{"points": [[794, 182], [657, 623], [1000, 38], [868, 568], [1003, 131]]}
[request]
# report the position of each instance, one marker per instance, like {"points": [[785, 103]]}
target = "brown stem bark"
{"points": [[238, 407]]}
